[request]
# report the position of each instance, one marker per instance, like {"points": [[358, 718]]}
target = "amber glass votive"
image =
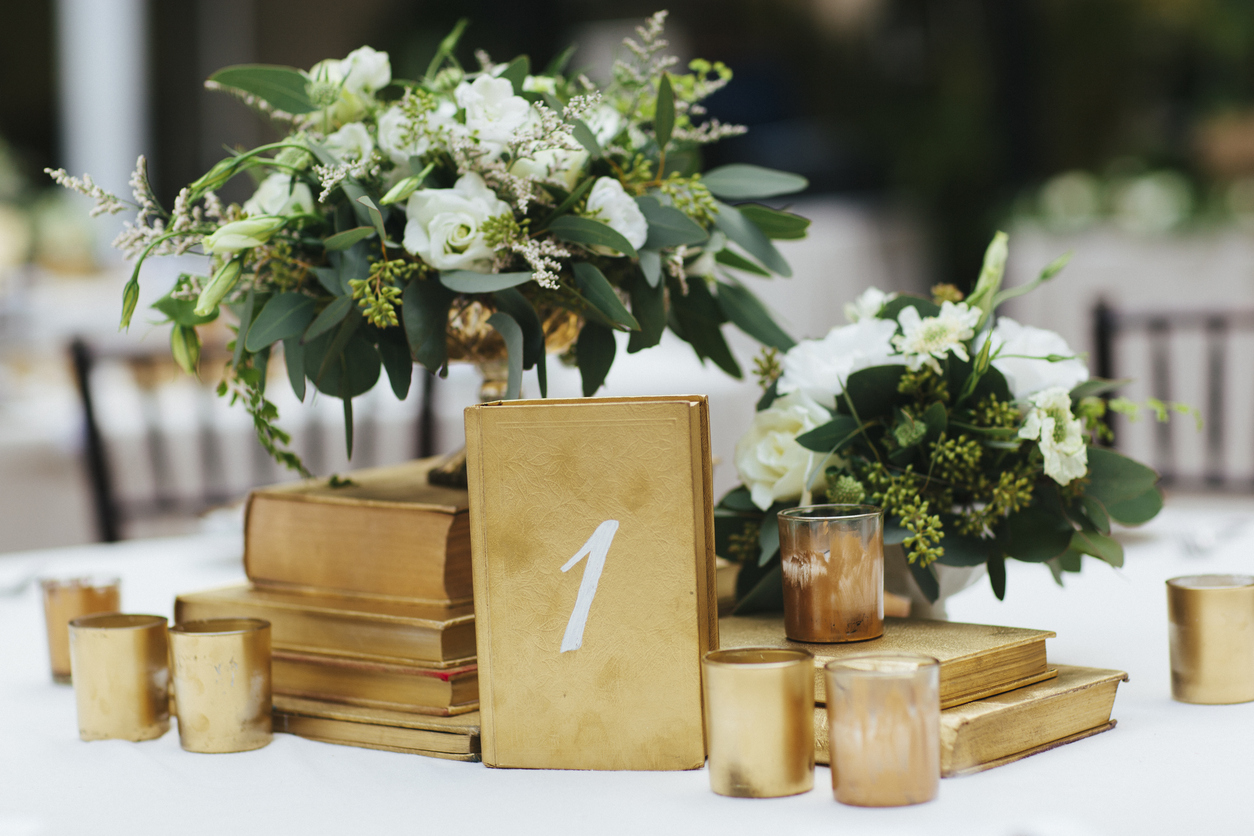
{"points": [[68, 599], [883, 717], [833, 562], [759, 721], [1210, 633], [121, 676], [221, 670]]}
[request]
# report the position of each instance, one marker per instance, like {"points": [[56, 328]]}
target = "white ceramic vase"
{"points": [[953, 579]]}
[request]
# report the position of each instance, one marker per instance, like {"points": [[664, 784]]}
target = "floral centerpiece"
{"points": [[482, 215], [977, 435]]}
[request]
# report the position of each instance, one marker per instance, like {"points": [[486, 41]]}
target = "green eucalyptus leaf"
{"points": [[766, 594], [1138, 510], [468, 281], [590, 233], [344, 240], [245, 314], [925, 577], [600, 293], [664, 114], [739, 229], [739, 499], [1098, 545], [510, 331], [331, 316], [651, 266], [768, 538], [775, 223], [731, 258], [569, 203], [768, 397], [516, 73], [668, 227], [873, 392], [964, 550], [345, 373], [585, 137], [1034, 535], [648, 305], [512, 302], [1097, 386], [1115, 478], [558, 65], [997, 575], [830, 437], [594, 354], [182, 311], [424, 313], [286, 315], [394, 352], [744, 309], [286, 88], [1095, 513], [740, 181], [376, 217], [294, 359], [699, 319]]}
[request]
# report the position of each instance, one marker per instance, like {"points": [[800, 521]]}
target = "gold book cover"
{"points": [[411, 688], [1008, 727], [595, 596], [455, 737], [976, 660], [343, 625], [385, 532]]}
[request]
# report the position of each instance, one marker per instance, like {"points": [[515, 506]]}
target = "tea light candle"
{"points": [[833, 566], [221, 670], [1210, 621], [121, 676], [66, 600]]}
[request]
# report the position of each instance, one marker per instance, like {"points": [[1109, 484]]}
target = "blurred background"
{"points": [[1121, 130]]}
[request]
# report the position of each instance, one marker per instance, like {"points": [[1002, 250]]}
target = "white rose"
{"points": [[1059, 433], [493, 112], [366, 70], [444, 225], [278, 196], [820, 368], [610, 204], [552, 164], [1022, 350], [771, 464], [400, 138], [351, 142], [868, 305]]}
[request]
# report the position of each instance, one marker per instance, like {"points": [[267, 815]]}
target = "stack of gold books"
{"points": [[1001, 700], [367, 588]]}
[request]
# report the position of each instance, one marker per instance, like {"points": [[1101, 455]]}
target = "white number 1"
{"points": [[595, 549]]}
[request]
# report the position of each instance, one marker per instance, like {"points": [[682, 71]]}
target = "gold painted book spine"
{"points": [[372, 684]]}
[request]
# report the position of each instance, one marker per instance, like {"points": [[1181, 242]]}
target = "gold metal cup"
{"points": [[221, 669], [121, 676], [1210, 626], [759, 721], [883, 718], [833, 562], [66, 600]]}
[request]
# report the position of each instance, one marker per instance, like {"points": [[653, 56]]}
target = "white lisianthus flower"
{"points": [[444, 227], [493, 112], [558, 164], [1020, 352], [868, 305], [605, 122], [280, 194], [1059, 433], [819, 368], [400, 138], [351, 142], [242, 235], [609, 203], [771, 464], [924, 341], [366, 70]]}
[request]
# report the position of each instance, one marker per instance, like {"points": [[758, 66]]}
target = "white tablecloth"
{"points": [[1167, 768]]}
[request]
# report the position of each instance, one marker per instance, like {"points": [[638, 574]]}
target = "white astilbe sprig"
{"points": [[330, 176], [649, 61], [183, 230], [707, 132], [675, 264], [142, 190], [107, 203], [580, 105], [543, 256]]}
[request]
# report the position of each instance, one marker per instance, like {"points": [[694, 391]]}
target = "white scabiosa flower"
{"points": [[351, 143], [366, 70], [610, 204], [280, 194], [819, 368], [1059, 434], [771, 464], [1021, 352], [925, 341], [445, 225], [868, 305], [493, 112]]}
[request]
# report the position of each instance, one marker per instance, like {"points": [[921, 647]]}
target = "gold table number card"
{"points": [[593, 550]]}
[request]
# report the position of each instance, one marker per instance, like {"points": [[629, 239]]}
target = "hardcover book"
{"points": [[412, 688], [385, 532], [452, 738], [595, 597], [976, 660], [380, 630], [1008, 727]]}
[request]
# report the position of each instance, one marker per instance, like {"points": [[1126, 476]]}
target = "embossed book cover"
{"points": [[592, 549]]}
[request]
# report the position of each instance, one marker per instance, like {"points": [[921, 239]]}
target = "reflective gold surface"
{"points": [[1210, 627], [759, 733], [221, 672], [66, 600], [883, 714], [833, 563], [121, 676]]}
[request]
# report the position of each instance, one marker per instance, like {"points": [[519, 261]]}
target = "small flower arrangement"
{"points": [[977, 436], [394, 212]]}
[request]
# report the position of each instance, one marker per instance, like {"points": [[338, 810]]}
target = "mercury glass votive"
{"points": [[67, 599], [221, 672], [759, 721], [833, 565], [883, 717], [1210, 630], [121, 676]]}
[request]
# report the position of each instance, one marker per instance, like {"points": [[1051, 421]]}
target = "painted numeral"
{"points": [[595, 549]]}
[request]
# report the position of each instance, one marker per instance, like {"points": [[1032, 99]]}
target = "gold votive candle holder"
{"points": [[759, 721], [66, 599], [121, 676], [221, 671], [833, 563], [1210, 627], [883, 718]]}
